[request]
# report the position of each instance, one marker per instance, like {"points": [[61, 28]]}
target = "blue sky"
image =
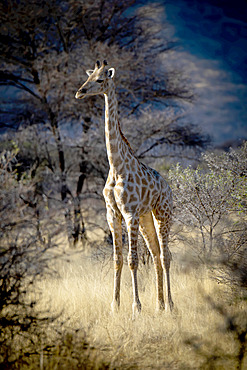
{"points": [[212, 50]]}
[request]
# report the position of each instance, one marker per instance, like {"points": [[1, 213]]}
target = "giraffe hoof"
{"points": [[136, 308], [171, 306], [161, 307], [115, 307]]}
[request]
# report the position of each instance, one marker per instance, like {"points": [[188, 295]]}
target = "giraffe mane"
{"points": [[124, 138]]}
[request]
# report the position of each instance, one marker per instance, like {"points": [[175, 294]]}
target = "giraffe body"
{"points": [[133, 192]]}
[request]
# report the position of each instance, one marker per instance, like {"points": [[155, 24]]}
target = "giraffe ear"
{"points": [[111, 72], [89, 72]]}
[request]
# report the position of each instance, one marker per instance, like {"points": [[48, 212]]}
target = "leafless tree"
{"points": [[44, 50]]}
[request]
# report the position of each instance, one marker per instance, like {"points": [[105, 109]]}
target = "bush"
{"points": [[24, 258], [212, 200]]}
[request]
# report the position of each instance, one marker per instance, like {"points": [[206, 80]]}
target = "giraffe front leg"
{"points": [[115, 225], [133, 227]]}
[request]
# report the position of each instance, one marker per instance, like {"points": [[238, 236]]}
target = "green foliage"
{"points": [[211, 202], [205, 197], [234, 165]]}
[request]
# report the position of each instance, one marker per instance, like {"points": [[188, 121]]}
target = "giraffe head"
{"points": [[97, 82]]}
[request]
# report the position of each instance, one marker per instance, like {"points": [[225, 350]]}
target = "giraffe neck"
{"points": [[116, 144]]}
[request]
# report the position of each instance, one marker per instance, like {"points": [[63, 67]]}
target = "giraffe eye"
{"points": [[99, 81]]}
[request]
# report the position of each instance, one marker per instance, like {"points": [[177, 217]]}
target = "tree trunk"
{"points": [[74, 225], [211, 239], [79, 227]]}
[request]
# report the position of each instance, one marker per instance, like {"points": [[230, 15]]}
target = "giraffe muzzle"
{"points": [[80, 93]]}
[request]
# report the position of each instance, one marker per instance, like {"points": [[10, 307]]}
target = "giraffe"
{"points": [[134, 193]]}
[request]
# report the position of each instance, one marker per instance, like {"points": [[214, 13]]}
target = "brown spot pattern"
{"points": [[136, 193]]}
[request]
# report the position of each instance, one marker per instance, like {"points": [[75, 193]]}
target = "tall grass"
{"points": [[194, 336]]}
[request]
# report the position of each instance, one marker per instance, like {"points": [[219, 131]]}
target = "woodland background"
{"points": [[54, 236]]}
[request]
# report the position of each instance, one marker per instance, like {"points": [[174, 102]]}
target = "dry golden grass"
{"points": [[185, 339]]}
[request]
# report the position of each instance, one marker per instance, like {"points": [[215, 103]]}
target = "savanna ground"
{"points": [[55, 301], [198, 334]]}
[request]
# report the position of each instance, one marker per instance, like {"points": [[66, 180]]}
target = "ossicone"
{"points": [[97, 64]]}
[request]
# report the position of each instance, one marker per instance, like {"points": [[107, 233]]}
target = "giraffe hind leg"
{"points": [[162, 222], [148, 232]]}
